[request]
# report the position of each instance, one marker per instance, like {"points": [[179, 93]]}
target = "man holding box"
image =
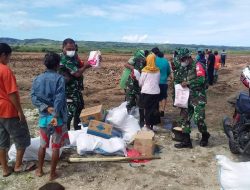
{"points": [[71, 69]]}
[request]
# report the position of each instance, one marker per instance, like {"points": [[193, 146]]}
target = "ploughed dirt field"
{"points": [[189, 169]]}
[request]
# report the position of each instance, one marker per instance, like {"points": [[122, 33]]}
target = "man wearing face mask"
{"points": [[178, 71], [196, 81], [72, 70]]}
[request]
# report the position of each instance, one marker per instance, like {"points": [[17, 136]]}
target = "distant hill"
{"points": [[43, 45]]}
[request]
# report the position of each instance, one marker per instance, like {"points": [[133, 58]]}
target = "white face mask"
{"points": [[184, 64], [70, 53]]}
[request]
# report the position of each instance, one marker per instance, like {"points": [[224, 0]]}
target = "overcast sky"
{"points": [[208, 22]]}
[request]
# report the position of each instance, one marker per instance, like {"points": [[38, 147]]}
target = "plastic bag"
{"points": [[124, 78], [233, 175], [31, 152], [181, 96], [94, 58]]}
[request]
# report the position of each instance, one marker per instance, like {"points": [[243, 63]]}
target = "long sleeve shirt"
{"points": [[149, 83], [48, 90]]}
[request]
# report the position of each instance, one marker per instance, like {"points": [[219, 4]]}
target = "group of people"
{"points": [[145, 81], [213, 62], [57, 93]]}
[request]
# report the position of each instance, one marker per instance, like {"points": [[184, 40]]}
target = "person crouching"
{"points": [[48, 95], [150, 90]]}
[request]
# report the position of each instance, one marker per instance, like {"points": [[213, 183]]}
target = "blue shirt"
{"points": [[48, 90], [163, 65]]}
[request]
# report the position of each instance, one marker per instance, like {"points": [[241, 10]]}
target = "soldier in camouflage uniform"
{"points": [[195, 80], [179, 72], [132, 89], [72, 71]]}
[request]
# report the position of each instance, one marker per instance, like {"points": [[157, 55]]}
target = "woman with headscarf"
{"points": [[150, 90]]}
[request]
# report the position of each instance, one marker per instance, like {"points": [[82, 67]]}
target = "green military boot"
{"points": [[186, 142], [204, 139]]}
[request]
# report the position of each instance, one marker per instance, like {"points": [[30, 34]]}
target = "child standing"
{"points": [[48, 95]]}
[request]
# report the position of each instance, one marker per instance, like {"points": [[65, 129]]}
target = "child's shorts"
{"points": [[58, 139]]}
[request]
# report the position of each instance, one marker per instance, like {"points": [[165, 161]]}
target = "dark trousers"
{"points": [[151, 108], [210, 73]]}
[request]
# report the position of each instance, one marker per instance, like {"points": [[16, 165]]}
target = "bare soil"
{"points": [[190, 169]]}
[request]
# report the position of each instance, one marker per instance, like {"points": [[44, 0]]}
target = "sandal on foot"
{"points": [[26, 167]]}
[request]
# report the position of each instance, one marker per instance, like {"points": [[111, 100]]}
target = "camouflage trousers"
{"points": [[132, 99], [132, 93], [75, 104], [198, 114]]}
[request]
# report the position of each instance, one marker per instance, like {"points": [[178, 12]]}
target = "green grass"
{"points": [[44, 45]]}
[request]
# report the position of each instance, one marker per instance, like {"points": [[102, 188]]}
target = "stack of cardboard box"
{"points": [[93, 119]]}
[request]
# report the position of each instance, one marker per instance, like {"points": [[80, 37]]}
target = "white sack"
{"points": [[233, 175], [31, 152], [116, 116], [127, 124], [181, 96], [89, 143], [130, 128], [74, 134]]}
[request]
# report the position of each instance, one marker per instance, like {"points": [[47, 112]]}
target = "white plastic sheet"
{"points": [[233, 175]]}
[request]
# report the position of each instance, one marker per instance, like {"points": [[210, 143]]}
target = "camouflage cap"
{"points": [[139, 53], [183, 52]]}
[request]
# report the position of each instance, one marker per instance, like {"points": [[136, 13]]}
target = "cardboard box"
{"points": [[92, 113], [100, 129], [144, 143]]}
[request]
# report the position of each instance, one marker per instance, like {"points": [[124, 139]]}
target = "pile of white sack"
{"points": [[233, 175], [86, 143], [127, 124]]}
